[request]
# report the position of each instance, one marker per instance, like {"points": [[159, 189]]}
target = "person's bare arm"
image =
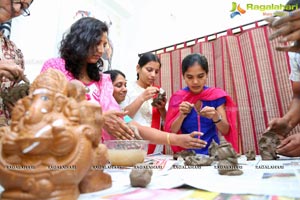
{"points": [[184, 109], [161, 107], [284, 125], [176, 125], [163, 113], [293, 114], [137, 103], [161, 137]]}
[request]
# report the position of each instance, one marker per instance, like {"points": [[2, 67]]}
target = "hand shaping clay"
{"points": [[267, 146], [137, 135]]}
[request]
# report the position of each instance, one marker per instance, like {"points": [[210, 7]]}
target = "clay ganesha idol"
{"points": [[52, 144]]}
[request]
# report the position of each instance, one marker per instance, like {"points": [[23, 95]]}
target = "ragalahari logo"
{"points": [[266, 9], [236, 10]]}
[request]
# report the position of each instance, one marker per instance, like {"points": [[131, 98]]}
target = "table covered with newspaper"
{"points": [[172, 180]]}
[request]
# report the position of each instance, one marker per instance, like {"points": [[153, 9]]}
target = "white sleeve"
{"points": [[294, 59]]}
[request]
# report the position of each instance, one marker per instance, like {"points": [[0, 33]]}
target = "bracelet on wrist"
{"points": [[220, 119], [168, 139]]}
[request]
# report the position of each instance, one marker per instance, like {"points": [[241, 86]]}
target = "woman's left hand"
{"points": [[160, 104], [210, 113]]}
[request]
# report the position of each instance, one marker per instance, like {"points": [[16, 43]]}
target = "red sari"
{"points": [[155, 123], [209, 94]]}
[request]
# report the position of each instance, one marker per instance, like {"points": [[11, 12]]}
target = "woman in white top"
{"points": [[139, 98]]}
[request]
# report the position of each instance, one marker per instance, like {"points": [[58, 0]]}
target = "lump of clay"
{"points": [[11, 95], [161, 96], [267, 146], [183, 154], [198, 161], [250, 155], [140, 177]]}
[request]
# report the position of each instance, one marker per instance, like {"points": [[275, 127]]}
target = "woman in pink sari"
{"points": [[81, 51], [198, 107]]}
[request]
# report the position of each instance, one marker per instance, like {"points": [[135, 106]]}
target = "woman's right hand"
{"points": [[185, 108], [280, 126], [188, 141], [149, 93], [286, 30], [115, 125], [9, 70]]}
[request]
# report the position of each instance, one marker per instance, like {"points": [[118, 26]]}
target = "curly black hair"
{"points": [[80, 42]]}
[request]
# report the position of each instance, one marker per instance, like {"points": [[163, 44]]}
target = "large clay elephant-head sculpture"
{"points": [[52, 143]]}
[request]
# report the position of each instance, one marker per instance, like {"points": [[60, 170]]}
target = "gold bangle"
{"points": [[168, 139]]}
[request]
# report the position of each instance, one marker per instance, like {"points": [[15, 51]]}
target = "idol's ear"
{"points": [[59, 102], [77, 90]]}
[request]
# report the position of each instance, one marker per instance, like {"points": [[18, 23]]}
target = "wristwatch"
{"points": [[220, 118]]}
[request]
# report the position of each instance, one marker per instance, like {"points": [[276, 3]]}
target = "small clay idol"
{"points": [[250, 155], [267, 146]]}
